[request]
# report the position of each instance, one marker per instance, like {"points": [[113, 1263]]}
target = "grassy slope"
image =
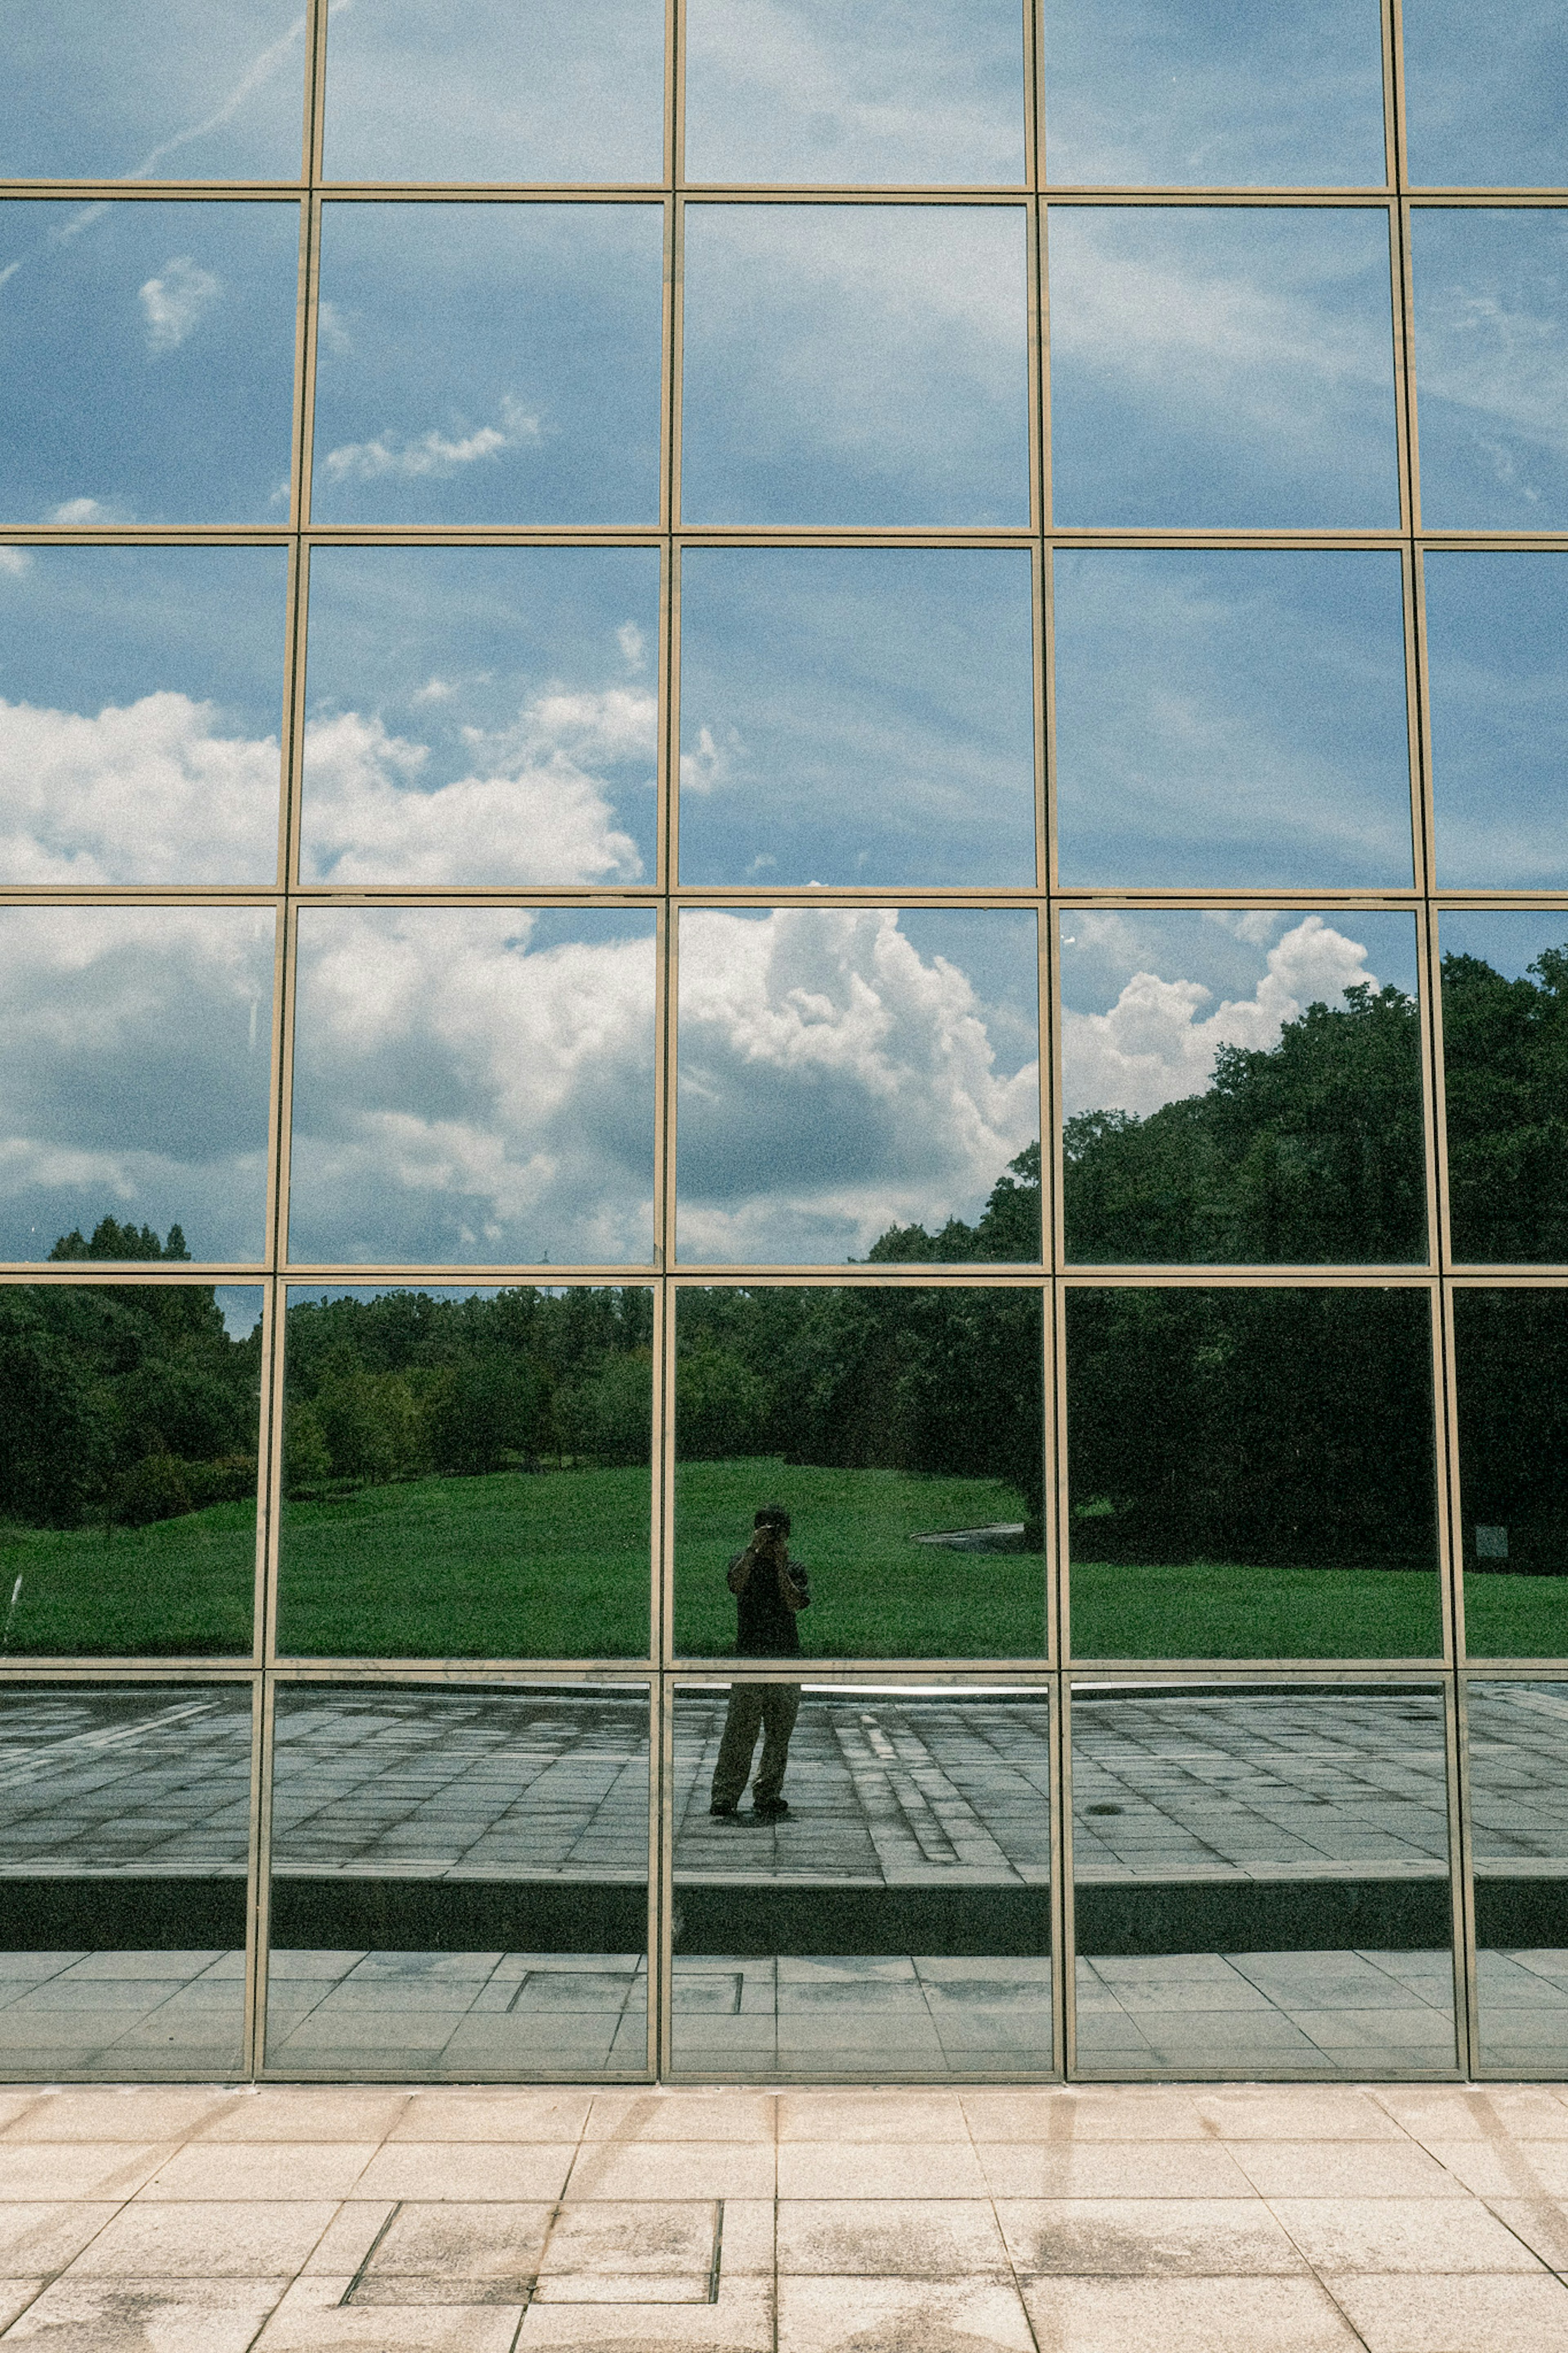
{"points": [[179, 1585], [1516, 1617], [1221, 1611]]}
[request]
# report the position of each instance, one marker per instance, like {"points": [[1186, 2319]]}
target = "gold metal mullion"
{"points": [[1065, 1973], [661, 1884], [258, 1945], [1461, 1909]]}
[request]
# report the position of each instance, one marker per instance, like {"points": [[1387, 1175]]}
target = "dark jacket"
{"points": [[765, 1624]]}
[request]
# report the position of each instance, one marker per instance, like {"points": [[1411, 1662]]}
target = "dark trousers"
{"points": [[767, 1708]]}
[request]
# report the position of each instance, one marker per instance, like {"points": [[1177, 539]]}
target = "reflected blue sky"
{"points": [[843, 1071], [855, 364], [481, 715], [473, 1085], [141, 694], [1148, 997], [1222, 365], [488, 362], [154, 89], [1491, 366], [1485, 93], [844, 94], [1497, 662], [149, 362], [1230, 719], [239, 1305], [857, 715], [1213, 93], [136, 1055], [561, 90], [1509, 940]]}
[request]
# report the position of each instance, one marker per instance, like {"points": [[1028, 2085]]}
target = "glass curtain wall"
{"points": [[784, 938]]}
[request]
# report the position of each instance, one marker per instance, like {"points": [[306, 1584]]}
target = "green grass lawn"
{"points": [[184, 1585], [1516, 1617], [509, 1566], [873, 1593], [1211, 1610]]}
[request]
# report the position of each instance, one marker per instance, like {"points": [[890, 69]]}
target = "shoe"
{"points": [[725, 1813], [769, 1810]]}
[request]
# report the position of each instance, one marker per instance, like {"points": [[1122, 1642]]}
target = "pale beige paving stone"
{"points": [[642, 2169], [1281, 2112], [1446, 2112], [207, 2238], [1481, 2314], [663, 2115], [16, 2295], [655, 2237], [45, 2238], [1132, 2112], [1133, 2238], [901, 2315], [1401, 2234], [463, 2240], [741, 2322], [106, 2112], [1355, 2169], [261, 2169], [92, 2169], [349, 2235], [513, 2169], [749, 2232], [906, 2168], [893, 2238], [1113, 2169], [75, 2315], [17, 2107], [876, 2116], [1186, 2315], [311, 2112], [501, 2115], [313, 2318], [1540, 2222], [1506, 2168]]}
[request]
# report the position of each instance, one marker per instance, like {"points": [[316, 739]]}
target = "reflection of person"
{"points": [[771, 1587]]}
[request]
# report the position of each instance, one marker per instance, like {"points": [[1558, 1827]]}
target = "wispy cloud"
{"points": [[435, 453], [80, 511], [260, 70], [175, 302], [15, 561]]}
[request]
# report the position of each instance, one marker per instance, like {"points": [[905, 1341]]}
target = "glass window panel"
{"points": [[896, 1919], [1511, 1355], [1486, 98], [124, 1827], [1193, 95], [1261, 1882], [488, 362], [127, 1452], [1518, 1733], [1505, 1027], [870, 92], [1497, 658], [1251, 1474], [151, 362], [465, 1473], [858, 1082], [1222, 365], [569, 89], [856, 716], [901, 1432], [481, 715], [182, 90], [459, 1883], [1241, 1088], [140, 693], [855, 363], [135, 1059], [1491, 345], [473, 1086], [1230, 719]]}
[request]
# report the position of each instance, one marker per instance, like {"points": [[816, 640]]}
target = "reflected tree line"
{"points": [[1204, 1423]]}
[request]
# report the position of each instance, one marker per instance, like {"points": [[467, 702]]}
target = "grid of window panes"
{"points": [[783, 753]]}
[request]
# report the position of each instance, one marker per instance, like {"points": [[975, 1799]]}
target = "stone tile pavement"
{"points": [[1177, 2219]]}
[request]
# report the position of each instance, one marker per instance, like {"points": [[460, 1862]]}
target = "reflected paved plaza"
{"points": [[895, 1795]]}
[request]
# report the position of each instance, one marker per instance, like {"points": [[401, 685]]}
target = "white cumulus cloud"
{"points": [[433, 453], [177, 301], [1157, 1044]]}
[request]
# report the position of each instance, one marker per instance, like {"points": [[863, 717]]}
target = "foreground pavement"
{"points": [[1235, 2218]]}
